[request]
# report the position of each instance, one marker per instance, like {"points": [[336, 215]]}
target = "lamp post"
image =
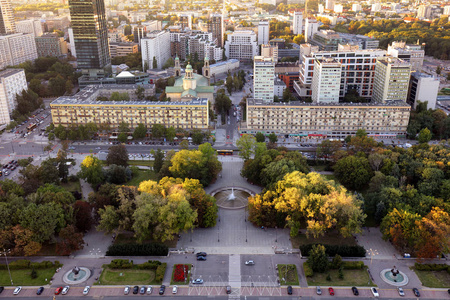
{"points": [[372, 252], [276, 235], [7, 265]]}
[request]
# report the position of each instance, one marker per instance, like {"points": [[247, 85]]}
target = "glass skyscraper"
{"points": [[90, 33]]}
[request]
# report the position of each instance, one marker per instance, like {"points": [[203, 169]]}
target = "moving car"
{"points": [[175, 289], [17, 290], [331, 291], [65, 290], [416, 292], [289, 290], [149, 290], [135, 289], [201, 254], [249, 262], [40, 290], [374, 292], [142, 290], [86, 290], [58, 290], [197, 281], [318, 290], [401, 292], [201, 258], [355, 291], [162, 289], [126, 291]]}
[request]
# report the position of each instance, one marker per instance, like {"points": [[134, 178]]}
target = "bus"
{"points": [[225, 152], [31, 127]]}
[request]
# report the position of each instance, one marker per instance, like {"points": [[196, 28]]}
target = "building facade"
{"points": [[7, 22], [123, 49], [155, 45], [311, 27], [223, 67], [414, 54], [263, 32], [50, 44], [391, 80], [263, 78], [326, 81], [12, 82], [30, 26], [270, 51], [241, 45], [423, 87], [215, 26], [297, 26], [334, 120], [90, 33], [16, 49]]}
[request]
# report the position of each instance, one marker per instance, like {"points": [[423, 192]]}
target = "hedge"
{"points": [[307, 269], [126, 264], [432, 267], [353, 265], [22, 264], [160, 271], [153, 249], [332, 250]]}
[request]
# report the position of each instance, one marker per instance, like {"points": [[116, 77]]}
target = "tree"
{"points": [[69, 87], [109, 219], [124, 127], [158, 131], [122, 137], [117, 155], [287, 95], [155, 63], [197, 137], [353, 172], [140, 131], [57, 86], [71, 240], [260, 137], [424, 136], [246, 145], [169, 63], [83, 215], [184, 145], [91, 170], [273, 138], [318, 259], [327, 148], [159, 160], [140, 92], [229, 84], [170, 134]]}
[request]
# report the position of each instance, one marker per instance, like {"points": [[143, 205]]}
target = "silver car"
{"points": [[401, 292], [65, 290], [126, 291], [318, 290]]}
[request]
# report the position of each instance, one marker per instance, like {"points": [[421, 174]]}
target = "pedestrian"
{"points": [[87, 244]]}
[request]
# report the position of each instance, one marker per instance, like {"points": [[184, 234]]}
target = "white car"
{"points": [[401, 292], [86, 290], [126, 291], [149, 290], [249, 262], [65, 290], [17, 290], [375, 292], [175, 289]]}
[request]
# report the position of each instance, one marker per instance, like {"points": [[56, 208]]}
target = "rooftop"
{"points": [[72, 101], [9, 72], [258, 102]]}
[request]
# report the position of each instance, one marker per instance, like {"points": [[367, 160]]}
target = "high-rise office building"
{"points": [[311, 27], [263, 32], [263, 78], [326, 81], [391, 80], [423, 87], [298, 23], [7, 24], [50, 44], [90, 33], [215, 26], [414, 54], [241, 45], [424, 12]]}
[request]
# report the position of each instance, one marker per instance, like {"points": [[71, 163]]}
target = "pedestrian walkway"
{"points": [[235, 274]]}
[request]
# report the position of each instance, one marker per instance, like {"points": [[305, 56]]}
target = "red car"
{"points": [[331, 291], [58, 290]]}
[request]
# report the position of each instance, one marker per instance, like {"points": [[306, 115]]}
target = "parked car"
{"points": [[17, 290], [65, 290], [86, 290], [228, 288], [142, 291], [175, 289], [58, 290], [375, 292], [201, 254], [149, 290], [135, 289], [355, 291], [162, 289], [331, 291], [40, 290], [289, 290], [318, 290], [249, 262], [416, 292], [126, 291], [201, 258], [1, 289], [401, 292], [197, 281]]}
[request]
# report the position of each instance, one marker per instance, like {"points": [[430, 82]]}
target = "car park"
{"points": [[135, 289], [374, 292], [175, 289], [86, 290], [331, 291], [149, 290], [355, 291], [249, 263], [416, 292], [65, 290], [17, 290], [142, 290], [318, 290], [40, 290], [58, 290], [197, 281], [401, 292], [289, 290], [126, 291], [162, 289], [201, 258]]}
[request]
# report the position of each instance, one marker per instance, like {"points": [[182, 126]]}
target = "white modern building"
{"points": [[7, 22], [30, 26], [326, 81], [329, 4], [73, 51], [223, 67], [263, 32], [423, 87], [12, 82], [414, 54], [297, 22], [447, 10], [241, 45], [391, 80], [278, 87], [155, 45], [376, 7], [338, 8], [16, 49], [311, 28], [424, 12], [270, 51], [356, 7], [263, 78]]}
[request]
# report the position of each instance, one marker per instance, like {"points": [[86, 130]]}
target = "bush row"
{"points": [[126, 264], [308, 270], [332, 250], [159, 273], [26, 264], [432, 267], [153, 249], [353, 265]]}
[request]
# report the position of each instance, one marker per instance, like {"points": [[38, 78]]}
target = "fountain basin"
{"points": [[400, 280], [83, 275], [232, 197]]}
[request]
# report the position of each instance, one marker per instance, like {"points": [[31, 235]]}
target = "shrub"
{"points": [[328, 277], [307, 269], [160, 272], [22, 264], [19, 264], [121, 264], [152, 249], [353, 265], [341, 273], [149, 265], [33, 274], [432, 267], [336, 263], [332, 250]]}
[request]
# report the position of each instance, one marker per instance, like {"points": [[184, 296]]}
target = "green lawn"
{"points": [[172, 282], [148, 163], [351, 278], [142, 175], [22, 277], [126, 276], [434, 279], [72, 186], [288, 274], [332, 238]]}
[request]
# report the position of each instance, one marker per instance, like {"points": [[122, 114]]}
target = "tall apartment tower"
{"points": [[311, 27], [215, 26], [263, 32], [12, 82], [326, 80], [391, 80], [90, 33], [424, 12], [7, 24], [298, 23], [156, 46], [329, 4], [185, 21], [263, 78], [270, 51]]}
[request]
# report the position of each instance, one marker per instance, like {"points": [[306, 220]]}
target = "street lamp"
{"points": [[372, 252], [276, 235], [7, 265]]}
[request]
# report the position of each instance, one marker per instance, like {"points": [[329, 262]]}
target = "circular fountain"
{"points": [[232, 197], [77, 275], [394, 277]]}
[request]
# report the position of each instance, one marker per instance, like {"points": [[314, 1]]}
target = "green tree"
{"points": [[109, 219], [69, 87], [91, 170], [260, 137], [122, 137], [158, 131], [159, 160], [229, 84], [424, 136], [117, 155], [246, 145], [140, 131], [155, 63], [170, 134], [273, 138], [169, 63], [57, 86], [197, 137], [140, 92], [318, 259], [353, 172]]}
